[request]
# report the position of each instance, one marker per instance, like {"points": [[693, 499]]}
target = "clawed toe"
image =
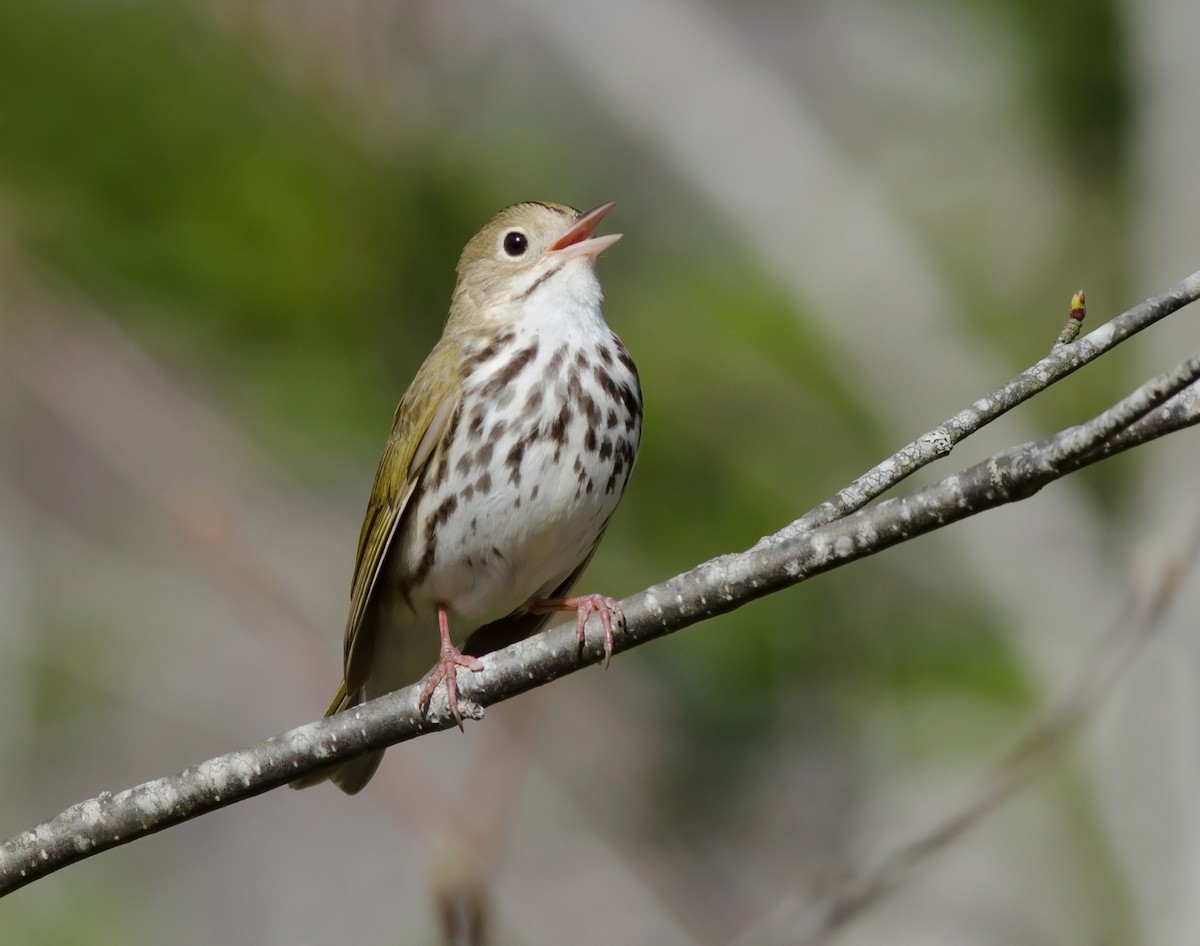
{"points": [[446, 670], [583, 606]]}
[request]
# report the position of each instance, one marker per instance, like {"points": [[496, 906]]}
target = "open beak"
{"points": [[578, 241]]}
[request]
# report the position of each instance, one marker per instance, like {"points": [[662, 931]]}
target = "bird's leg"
{"points": [[446, 668], [583, 605]]}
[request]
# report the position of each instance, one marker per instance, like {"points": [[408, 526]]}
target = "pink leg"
{"points": [[584, 605], [446, 669]]}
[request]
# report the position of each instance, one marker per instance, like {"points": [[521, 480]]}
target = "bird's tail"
{"points": [[352, 775]]}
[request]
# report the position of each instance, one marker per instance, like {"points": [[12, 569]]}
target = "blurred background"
{"points": [[228, 231]]}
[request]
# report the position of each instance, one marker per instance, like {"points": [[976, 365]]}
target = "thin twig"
{"points": [[1042, 743], [938, 442]]}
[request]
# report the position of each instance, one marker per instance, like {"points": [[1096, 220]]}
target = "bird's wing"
{"points": [[420, 424]]}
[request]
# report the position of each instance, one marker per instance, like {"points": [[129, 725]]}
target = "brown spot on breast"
{"points": [[480, 356], [484, 484], [574, 386], [427, 556], [624, 454], [591, 410], [424, 566], [556, 360], [558, 429], [633, 406], [499, 382], [475, 428], [623, 357], [606, 448], [441, 472], [495, 346], [513, 462], [442, 514]]}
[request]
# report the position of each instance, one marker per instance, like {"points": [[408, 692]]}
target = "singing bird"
{"points": [[507, 457]]}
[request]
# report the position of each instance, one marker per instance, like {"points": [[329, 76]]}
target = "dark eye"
{"points": [[515, 243]]}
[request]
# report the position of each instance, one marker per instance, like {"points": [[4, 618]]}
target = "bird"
{"points": [[506, 460]]}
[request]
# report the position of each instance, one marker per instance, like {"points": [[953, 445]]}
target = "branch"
{"points": [[1062, 361], [814, 544]]}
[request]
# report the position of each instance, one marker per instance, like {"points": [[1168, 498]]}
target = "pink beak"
{"points": [[578, 241]]}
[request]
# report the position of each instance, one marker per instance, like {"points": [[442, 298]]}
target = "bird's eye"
{"points": [[515, 243]]}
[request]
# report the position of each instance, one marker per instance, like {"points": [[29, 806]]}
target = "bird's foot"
{"points": [[583, 605], [446, 670]]}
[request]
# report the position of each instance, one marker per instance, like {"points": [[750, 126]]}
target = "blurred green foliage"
{"points": [[156, 163], [1079, 76]]}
